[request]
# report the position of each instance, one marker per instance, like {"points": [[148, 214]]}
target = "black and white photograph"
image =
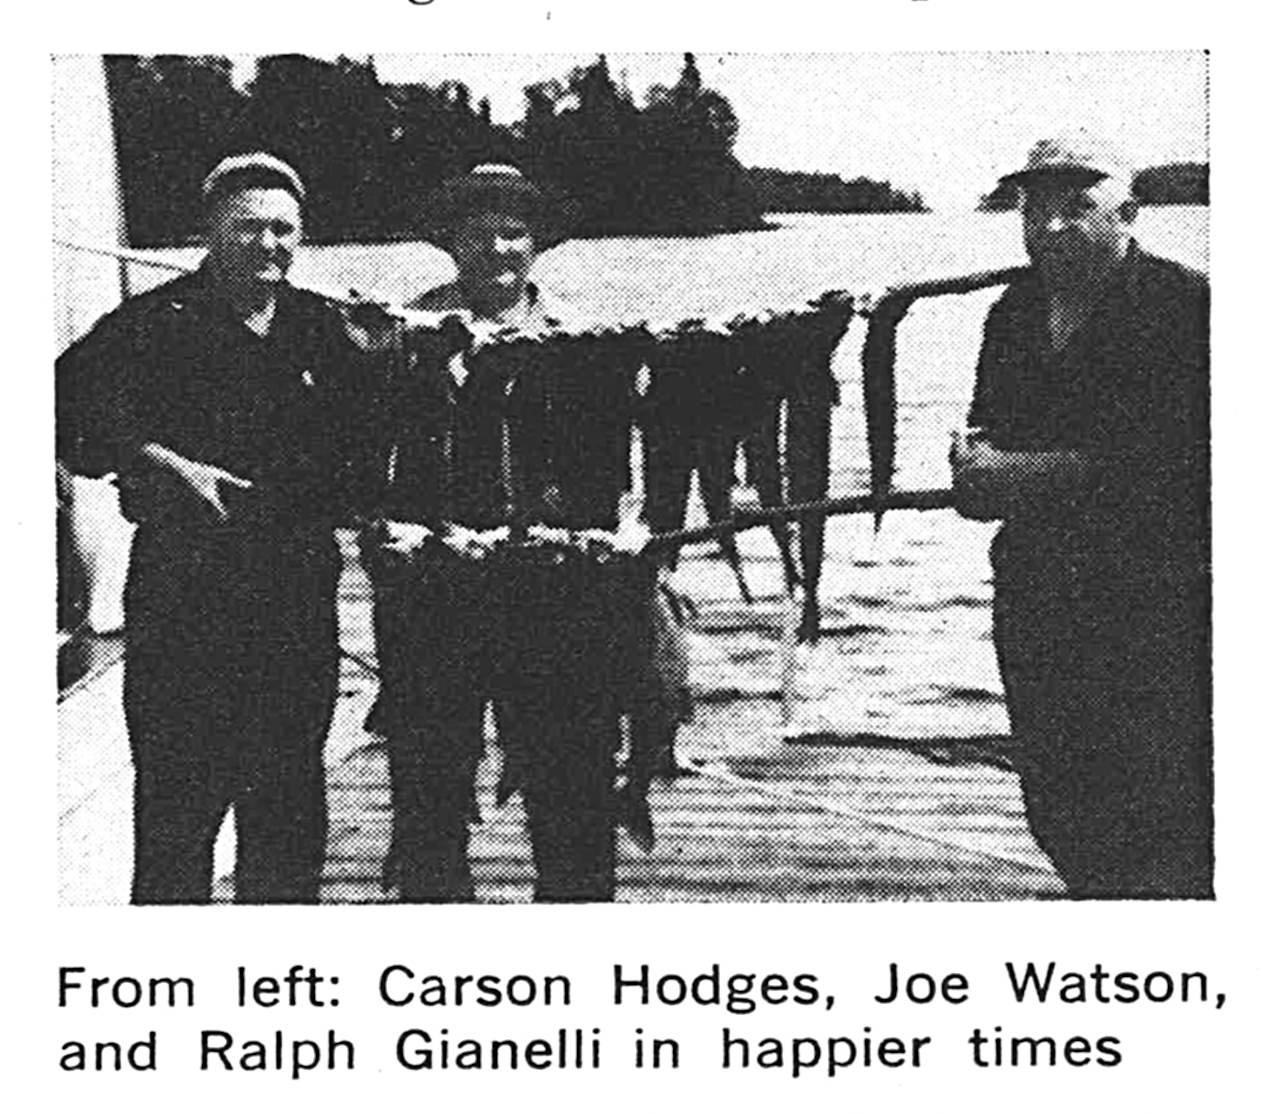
{"points": [[671, 477], [671, 556]]}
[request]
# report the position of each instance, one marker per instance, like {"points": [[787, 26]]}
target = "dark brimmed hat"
{"points": [[254, 170], [1076, 155], [496, 188]]}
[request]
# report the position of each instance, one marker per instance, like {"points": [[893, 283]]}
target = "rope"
{"points": [[709, 770], [126, 255]]}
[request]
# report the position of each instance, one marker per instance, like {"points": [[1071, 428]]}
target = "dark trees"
{"points": [[371, 151]]}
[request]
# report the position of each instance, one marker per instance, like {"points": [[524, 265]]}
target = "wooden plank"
{"points": [[715, 842]]}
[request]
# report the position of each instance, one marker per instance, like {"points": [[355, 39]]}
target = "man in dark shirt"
{"points": [[497, 572], [227, 403], [1089, 438]]}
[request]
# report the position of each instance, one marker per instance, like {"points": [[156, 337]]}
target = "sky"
{"points": [[944, 123]]}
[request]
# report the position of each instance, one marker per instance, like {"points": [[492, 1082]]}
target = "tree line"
{"points": [[795, 192], [371, 150]]}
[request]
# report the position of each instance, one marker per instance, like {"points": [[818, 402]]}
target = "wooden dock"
{"points": [[768, 820]]}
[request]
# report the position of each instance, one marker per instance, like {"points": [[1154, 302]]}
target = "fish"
{"points": [[879, 358], [661, 704], [813, 395], [763, 393], [690, 427], [879, 394]]}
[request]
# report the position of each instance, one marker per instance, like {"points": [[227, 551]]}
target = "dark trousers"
{"points": [[230, 683], [1108, 689], [548, 646], [568, 784], [563, 763]]}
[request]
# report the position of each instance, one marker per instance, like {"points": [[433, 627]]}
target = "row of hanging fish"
{"points": [[699, 392]]}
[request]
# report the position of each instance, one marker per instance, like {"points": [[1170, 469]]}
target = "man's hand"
{"points": [[473, 545], [974, 463], [408, 539], [992, 483], [204, 479], [631, 538], [403, 539], [632, 533]]}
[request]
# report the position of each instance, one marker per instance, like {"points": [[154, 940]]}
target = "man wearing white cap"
{"points": [[1089, 439], [227, 402]]}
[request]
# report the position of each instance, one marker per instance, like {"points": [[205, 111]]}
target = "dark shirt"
{"points": [[536, 432], [290, 411], [1130, 388]]}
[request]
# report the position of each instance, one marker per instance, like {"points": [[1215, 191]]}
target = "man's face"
{"points": [[494, 250], [253, 235], [1072, 229]]}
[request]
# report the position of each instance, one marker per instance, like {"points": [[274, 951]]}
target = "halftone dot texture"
{"points": [[897, 712]]}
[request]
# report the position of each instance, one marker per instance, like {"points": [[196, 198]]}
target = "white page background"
{"points": [[1174, 1055]]}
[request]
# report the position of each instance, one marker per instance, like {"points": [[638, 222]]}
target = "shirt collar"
{"points": [[198, 290]]}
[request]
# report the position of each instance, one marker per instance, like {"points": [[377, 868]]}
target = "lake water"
{"points": [[906, 648]]}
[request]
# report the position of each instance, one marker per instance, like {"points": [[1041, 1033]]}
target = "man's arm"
{"points": [[993, 483], [94, 415], [202, 478]]}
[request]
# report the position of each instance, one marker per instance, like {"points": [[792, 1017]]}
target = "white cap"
{"points": [[257, 168]]}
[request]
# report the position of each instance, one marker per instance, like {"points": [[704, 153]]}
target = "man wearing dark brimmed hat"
{"points": [[497, 188], [499, 578], [1090, 441], [228, 404]]}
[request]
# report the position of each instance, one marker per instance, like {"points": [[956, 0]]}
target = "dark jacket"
{"points": [[1132, 388], [293, 411]]}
